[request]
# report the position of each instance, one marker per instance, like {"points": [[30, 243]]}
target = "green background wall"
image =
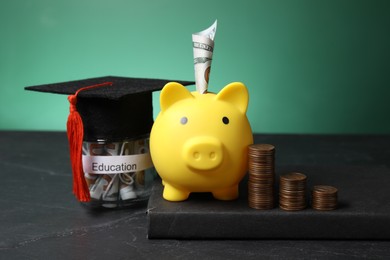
{"points": [[310, 66]]}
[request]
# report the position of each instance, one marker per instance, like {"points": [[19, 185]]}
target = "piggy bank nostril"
{"points": [[196, 155], [212, 155]]}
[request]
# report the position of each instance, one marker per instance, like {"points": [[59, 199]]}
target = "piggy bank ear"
{"points": [[235, 93], [171, 93]]}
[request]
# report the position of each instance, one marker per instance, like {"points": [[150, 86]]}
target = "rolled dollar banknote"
{"points": [[203, 46]]}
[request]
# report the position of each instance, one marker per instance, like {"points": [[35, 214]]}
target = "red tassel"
{"points": [[75, 132]]}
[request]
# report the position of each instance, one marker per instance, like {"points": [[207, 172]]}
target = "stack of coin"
{"points": [[292, 191], [261, 158], [324, 197]]}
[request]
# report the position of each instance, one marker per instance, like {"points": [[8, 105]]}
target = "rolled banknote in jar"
{"points": [[203, 46]]}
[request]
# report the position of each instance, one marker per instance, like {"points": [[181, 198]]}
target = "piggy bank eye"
{"points": [[184, 120], [225, 120]]}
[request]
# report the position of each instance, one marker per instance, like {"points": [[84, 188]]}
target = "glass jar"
{"points": [[118, 174]]}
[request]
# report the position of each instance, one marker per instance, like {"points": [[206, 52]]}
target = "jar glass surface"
{"points": [[118, 174]]}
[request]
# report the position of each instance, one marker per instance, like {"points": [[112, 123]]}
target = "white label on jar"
{"points": [[116, 164]]}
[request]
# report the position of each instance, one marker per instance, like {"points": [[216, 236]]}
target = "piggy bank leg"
{"points": [[172, 193], [230, 193]]}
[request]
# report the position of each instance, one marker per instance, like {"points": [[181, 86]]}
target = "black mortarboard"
{"points": [[106, 108], [114, 113]]}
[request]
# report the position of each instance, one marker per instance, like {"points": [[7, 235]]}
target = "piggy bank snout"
{"points": [[203, 153]]}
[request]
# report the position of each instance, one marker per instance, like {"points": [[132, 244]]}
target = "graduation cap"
{"points": [[105, 108]]}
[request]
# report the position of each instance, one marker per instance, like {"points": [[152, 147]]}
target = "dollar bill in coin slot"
{"points": [[203, 46]]}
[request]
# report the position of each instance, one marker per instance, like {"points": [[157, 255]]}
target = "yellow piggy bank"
{"points": [[198, 142]]}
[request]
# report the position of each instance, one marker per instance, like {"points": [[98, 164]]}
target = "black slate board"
{"points": [[363, 213]]}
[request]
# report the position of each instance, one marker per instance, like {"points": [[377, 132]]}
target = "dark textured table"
{"points": [[41, 218]]}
